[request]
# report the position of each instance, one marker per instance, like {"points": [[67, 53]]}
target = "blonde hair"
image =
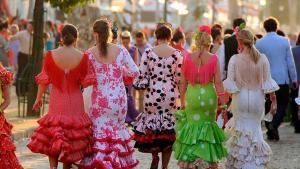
{"points": [[202, 41], [247, 39]]}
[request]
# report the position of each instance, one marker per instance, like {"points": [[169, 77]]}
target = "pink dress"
{"points": [[112, 147], [65, 132]]}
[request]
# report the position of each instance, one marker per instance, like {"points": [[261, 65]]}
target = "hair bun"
{"points": [[68, 39]]}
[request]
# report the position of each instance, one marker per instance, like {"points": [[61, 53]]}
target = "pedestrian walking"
{"points": [[178, 41], [248, 80], [110, 62], [25, 39], [132, 112], [141, 43], [278, 51], [8, 159], [199, 140], [65, 133], [160, 69]]}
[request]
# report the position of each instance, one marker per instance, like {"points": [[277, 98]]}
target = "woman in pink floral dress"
{"points": [[109, 104]]}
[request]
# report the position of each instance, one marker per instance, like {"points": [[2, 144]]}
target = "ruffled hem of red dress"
{"points": [[65, 121], [8, 160], [70, 140]]}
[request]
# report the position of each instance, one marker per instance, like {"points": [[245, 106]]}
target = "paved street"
{"points": [[286, 154], [286, 151]]}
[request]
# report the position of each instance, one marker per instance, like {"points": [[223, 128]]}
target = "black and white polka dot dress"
{"points": [[154, 128]]}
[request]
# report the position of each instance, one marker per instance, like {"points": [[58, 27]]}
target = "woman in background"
{"points": [[132, 113]]}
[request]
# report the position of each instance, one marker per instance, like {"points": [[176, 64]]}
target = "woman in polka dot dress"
{"points": [[199, 140], [160, 72]]}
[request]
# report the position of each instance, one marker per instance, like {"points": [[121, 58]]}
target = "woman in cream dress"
{"points": [[248, 80]]}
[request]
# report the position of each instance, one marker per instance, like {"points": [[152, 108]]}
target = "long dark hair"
{"points": [[102, 28]]}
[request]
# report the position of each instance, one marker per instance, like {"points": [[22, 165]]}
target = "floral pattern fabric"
{"points": [[112, 146]]}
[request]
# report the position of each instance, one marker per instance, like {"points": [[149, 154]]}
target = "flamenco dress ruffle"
{"points": [[247, 148], [112, 148], [155, 132], [8, 159], [198, 137]]}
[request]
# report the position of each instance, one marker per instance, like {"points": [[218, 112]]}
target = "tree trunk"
{"points": [[35, 60]]}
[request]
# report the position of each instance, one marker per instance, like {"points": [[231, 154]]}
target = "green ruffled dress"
{"points": [[197, 133]]}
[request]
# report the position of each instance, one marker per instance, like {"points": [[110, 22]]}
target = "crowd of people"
{"points": [[194, 94]]}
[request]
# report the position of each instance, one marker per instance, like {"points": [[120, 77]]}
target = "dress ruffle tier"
{"points": [[112, 150], [8, 159], [64, 136], [203, 140], [247, 148], [154, 132]]}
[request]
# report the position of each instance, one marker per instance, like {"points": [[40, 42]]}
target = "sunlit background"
{"points": [[141, 13]]}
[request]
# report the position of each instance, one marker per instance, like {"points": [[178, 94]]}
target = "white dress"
{"points": [[248, 82]]}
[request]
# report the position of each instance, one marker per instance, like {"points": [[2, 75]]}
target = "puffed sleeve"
{"points": [[230, 83], [178, 70], [5, 76], [88, 75], [43, 77], [269, 85], [142, 82], [129, 66]]}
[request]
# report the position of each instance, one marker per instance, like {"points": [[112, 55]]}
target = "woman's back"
{"points": [[247, 73], [66, 71]]}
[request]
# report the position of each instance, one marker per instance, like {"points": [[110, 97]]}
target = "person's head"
{"points": [[228, 31], [126, 38], [14, 29], [271, 24], [237, 22], [298, 40], [203, 39], [69, 35], [280, 33], [102, 34], [29, 26], [140, 38], [50, 26], [114, 31], [178, 37], [217, 26], [163, 32], [216, 34], [246, 41]]}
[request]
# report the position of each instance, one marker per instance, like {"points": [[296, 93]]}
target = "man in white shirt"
{"points": [[25, 39]]}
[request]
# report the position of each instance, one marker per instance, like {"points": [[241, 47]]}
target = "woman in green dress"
{"points": [[199, 140]]}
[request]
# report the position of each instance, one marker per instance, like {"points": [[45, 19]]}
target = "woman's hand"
{"points": [[37, 105], [274, 104]]}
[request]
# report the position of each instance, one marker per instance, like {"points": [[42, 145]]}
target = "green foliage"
{"points": [[68, 5]]}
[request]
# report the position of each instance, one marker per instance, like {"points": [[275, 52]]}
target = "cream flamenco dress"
{"points": [[248, 82]]}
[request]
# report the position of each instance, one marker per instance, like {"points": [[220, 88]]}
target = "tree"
{"points": [[35, 62]]}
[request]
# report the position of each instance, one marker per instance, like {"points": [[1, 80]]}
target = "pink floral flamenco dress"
{"points": [[65, 132], [8, 159], [112, 147]]}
